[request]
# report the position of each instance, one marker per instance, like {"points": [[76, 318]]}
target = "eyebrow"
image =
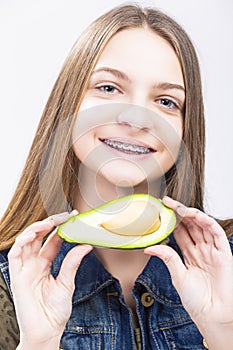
{"points": [[169, 86], [121, 75], [117, 73]]}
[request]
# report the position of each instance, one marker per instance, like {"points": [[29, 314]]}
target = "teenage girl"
{"points": [[125, 116]]}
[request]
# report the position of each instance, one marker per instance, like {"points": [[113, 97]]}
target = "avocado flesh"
{"points": [[138, 217], [87, 227]]}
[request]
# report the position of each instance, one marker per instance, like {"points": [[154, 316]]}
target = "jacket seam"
{"points": [[111, 320], [156, 296], [152, 331], [168, 341], [4, 268], [172, 326], [88, 295]]}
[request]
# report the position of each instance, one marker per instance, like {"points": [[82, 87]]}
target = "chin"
{"points": [[128, 175], [124, 179]]}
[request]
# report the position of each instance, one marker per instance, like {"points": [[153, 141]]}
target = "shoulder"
{"points": [[4, 269], [8, 324], [5, 298], [227, 225], [231, 243]]}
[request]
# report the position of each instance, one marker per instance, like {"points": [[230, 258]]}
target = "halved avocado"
{"points": [[130, 222]]}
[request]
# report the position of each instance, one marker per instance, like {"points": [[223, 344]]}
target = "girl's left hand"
{"points": [[205, 280]]}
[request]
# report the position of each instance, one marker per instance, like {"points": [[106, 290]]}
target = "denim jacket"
{"points": [[100, 319]]}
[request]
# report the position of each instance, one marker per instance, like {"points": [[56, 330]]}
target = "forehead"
{"points": [[142, 54]]}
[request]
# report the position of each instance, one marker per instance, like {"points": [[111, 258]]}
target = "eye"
{"points": [[109, 89], [166, 102]]}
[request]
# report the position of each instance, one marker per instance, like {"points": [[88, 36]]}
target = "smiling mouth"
{"points": [[128, 148]]}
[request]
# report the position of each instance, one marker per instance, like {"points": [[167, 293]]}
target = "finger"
{"points": [[70, 265], [41, 229], [191, 228], [29, 242], [53, 243], [212, 232], [183, 238], [188, 247], [173, 262], [58, 219], [209, 229], [178, 207], [15, 255], [188, 215], [51, 246], [196, 233]]}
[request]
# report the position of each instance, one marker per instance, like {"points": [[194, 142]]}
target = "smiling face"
{"points": [[129, 126]]}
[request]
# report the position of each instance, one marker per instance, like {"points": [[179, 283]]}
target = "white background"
{"points": [[35, 38]]}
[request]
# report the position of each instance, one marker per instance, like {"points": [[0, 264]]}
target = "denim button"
{"points": [[147, 300], [205, 343]]}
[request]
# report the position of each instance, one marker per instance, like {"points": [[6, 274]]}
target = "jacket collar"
{"points": [[92, 277]]}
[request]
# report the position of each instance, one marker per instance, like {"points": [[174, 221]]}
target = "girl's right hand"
{"points": [[43, 304]]}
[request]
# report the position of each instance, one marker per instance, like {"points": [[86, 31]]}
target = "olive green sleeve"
{"points": [[9, 330]]}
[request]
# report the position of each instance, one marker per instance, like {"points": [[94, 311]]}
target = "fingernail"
{"points": [[74, 212], [181, 210], [60, 215], [56, 219], [148, 251], [166, 199]]}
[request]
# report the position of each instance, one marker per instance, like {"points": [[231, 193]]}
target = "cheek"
{"points": [[173, 142], [87, 103], [79, 150], [92, 102], [170, 136], [83, 134], [82, 143]]}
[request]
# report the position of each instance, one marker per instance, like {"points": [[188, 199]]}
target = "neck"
{"points": [[94, 190], [125, 265]]}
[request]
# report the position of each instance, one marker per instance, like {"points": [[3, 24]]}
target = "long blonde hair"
{"points": [[27, 204]]}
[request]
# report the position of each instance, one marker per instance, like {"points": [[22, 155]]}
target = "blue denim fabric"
{"points": [[101, 320]]}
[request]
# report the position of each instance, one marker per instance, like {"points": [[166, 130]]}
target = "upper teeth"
{"points": [[127, 147]]}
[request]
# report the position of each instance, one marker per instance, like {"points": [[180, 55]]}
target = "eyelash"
{"points": [[172, 104], [108, 86]]}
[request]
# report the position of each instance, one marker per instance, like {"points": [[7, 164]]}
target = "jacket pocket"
{"points": [[184, 336], [88, 338]]}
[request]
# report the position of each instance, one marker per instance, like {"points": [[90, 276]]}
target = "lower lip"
{"points": [[129, 155]]}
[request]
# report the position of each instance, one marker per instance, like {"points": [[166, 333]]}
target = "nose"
{"points": [[136, 117]]}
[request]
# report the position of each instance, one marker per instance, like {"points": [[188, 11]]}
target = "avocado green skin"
{"points": [[79, 228]]}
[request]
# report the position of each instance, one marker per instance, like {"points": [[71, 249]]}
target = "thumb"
{"points": [[71, 263], [173, 262]]}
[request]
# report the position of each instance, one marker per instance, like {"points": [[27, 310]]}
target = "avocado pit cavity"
{"points": [[137, 218]]}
